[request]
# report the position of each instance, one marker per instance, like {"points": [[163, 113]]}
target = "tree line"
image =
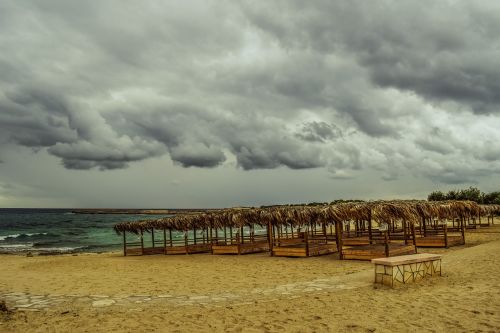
{"points": [[471, 193]]}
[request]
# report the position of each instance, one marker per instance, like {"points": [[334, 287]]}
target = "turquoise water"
{"points": [[60, 231]]}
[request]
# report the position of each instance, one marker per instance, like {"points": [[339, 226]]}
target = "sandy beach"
{"points": [[253, 293]]}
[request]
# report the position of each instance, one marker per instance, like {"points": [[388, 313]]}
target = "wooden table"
{"points": [[403, 269]]}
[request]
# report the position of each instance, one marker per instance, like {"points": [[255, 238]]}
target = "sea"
{"points": [[58, 231]]}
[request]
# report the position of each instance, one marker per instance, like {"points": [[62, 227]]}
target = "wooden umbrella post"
{"points": [[270, 237], [463, 229], [153, 237], [370, 236], [239, 239], [211, 233], [405, 232], [445, 229], [338, 237], [124, 244], [142, 242], [186, 245], [386, 241], [414, 235], [165, 241], [170, 236], [306, 239]]}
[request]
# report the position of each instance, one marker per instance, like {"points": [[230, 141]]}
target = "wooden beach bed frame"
{"points": [[169, 245], [312, 242], [434, 233], [243, 241], [369, 243]]}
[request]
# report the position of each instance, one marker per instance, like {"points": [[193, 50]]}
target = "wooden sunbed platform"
{"points": [[356, 241], [439, 241], [181, 249], [245, 248], [303, 250], [368, 252], [190, 249]]}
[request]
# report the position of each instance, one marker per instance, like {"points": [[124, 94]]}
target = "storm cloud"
{"points": [[389, 86]]}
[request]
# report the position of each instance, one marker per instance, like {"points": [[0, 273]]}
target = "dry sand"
{"points": [[252, 293]]}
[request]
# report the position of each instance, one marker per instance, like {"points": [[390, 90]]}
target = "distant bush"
{"points": [[492, 198], [471, 194], [436, 196]]}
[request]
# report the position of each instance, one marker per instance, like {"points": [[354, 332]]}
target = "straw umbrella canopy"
{"points": [[490, 210], [297, 216]]}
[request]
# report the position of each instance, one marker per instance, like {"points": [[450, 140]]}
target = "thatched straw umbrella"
{"points": [[490, 211]]}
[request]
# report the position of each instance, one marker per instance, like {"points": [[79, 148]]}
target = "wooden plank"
{"points": [[224, 249], [368, 252], [134, 251], [436, 241], [290, 249], [279, 253], [152, 250], [254, 247]]}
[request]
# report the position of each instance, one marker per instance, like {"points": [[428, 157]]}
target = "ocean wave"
{"points": [[63, 249], [2, 238], [29, 247], [17, 246]]}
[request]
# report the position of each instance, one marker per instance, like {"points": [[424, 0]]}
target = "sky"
{"points": [[228, 103]]}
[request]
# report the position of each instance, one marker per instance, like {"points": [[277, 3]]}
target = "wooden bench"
{"points": [[404, 269]]}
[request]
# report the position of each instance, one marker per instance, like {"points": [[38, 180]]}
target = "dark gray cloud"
{"points": [[34, 117], [319, 131], [393, 86], [437, 141], [197, 155], [403, 44]]}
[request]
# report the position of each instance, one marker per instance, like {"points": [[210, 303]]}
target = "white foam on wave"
{"points": [[9, 236], [57, 249], [25, 247], [17, 246], [2, 238]]}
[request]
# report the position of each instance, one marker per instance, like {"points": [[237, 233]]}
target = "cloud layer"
{"points": [[391, 86]]}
